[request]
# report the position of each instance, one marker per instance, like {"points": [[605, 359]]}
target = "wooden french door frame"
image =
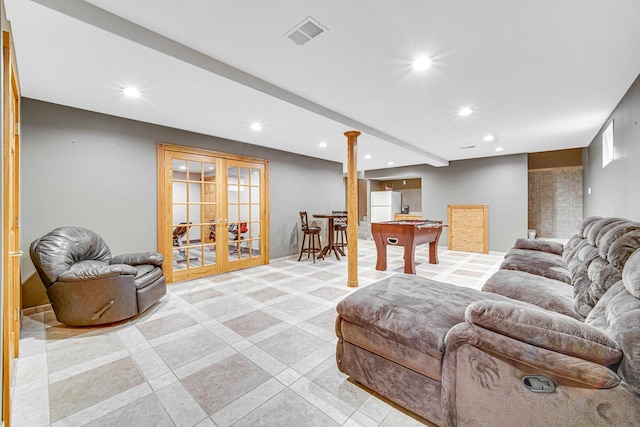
{"points": [[218, 188], [11, 225]]}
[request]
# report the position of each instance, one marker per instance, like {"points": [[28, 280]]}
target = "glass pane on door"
{"points": [[194, 219]]}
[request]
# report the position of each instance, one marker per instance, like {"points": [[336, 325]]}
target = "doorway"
{"points": [[11, 224], [212, 210]]}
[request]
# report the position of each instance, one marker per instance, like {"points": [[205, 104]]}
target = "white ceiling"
{"points": [[540, 75]]}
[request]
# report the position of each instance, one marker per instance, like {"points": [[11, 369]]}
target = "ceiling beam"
{"points": [[100, 18]]}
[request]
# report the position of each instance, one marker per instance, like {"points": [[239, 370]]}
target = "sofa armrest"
{"points": [[588, 374], [87, 270], [140, 258], [545, 329], [539, 245]]}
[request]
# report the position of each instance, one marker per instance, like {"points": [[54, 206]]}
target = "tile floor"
{"points": [[247, 348]]}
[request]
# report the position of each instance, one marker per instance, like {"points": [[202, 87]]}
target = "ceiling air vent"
{"points": [[467, 147], [305, 31]]}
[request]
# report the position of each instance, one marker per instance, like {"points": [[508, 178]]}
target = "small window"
{"points": [[607, 145]]}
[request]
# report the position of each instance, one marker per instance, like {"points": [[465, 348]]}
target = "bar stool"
{"points": [[314, 236], [340, 228]]}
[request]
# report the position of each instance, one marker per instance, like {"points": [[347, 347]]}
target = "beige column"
{"points": [[352, 208]]}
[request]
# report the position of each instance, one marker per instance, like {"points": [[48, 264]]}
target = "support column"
{"points": [[352, 207]]}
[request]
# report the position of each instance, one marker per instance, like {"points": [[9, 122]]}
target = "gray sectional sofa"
{"points": [[552, 339]]}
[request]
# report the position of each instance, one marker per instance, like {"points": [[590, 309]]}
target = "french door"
{"points": [[212, 212]]}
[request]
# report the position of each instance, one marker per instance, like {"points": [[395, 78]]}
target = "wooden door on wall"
{"points": [[11, 225], [245, 213], [468, 228], [212, 212]]}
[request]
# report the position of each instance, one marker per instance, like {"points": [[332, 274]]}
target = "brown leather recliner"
{"points": [[87, 286]]}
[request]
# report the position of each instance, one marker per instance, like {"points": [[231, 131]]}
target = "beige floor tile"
{"points": [[328, 293], [325, 320], [165, 325], [83, 390], [468, 273], [226, 308], [295, 305], [200, 295], [327, 376], [180, 405], [186, 348], [286, 409], [266, 294], [291, 345], [247, 403], [144, 412], [331, 405], [82, 349], [251, 323], [232, 377], [31, 404]]}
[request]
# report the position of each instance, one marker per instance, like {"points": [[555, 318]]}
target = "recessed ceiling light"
{"points": [[390, 164], [465, 111], [131, 91], [488, 138], [498, 149], [367, 156], [422, 63], [256, 126], [322, 145]]}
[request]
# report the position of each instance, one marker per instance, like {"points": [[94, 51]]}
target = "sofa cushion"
{"points": [[545, 329], [539, 245], [602, 275], [631, 274], [623, 247], [572, 257], [549, 267], [571, 243], [583, 227], [597, 227], [95, 270], [618, 315], [613, 234], [540, 291], [537, 255]]}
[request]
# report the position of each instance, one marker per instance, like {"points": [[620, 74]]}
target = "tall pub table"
{"points": [[331, 245]]}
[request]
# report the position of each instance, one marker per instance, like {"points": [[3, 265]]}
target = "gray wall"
{"points": [[99, 171], [615, 189], [499, 182]]}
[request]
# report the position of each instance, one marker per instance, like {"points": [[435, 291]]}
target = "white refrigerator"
{"points": [[384, 204]]}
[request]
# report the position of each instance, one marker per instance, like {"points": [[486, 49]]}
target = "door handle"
{"points": [[15, 253]]}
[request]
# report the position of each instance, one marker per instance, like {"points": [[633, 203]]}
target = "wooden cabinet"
{"points": [[468, 228]]}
